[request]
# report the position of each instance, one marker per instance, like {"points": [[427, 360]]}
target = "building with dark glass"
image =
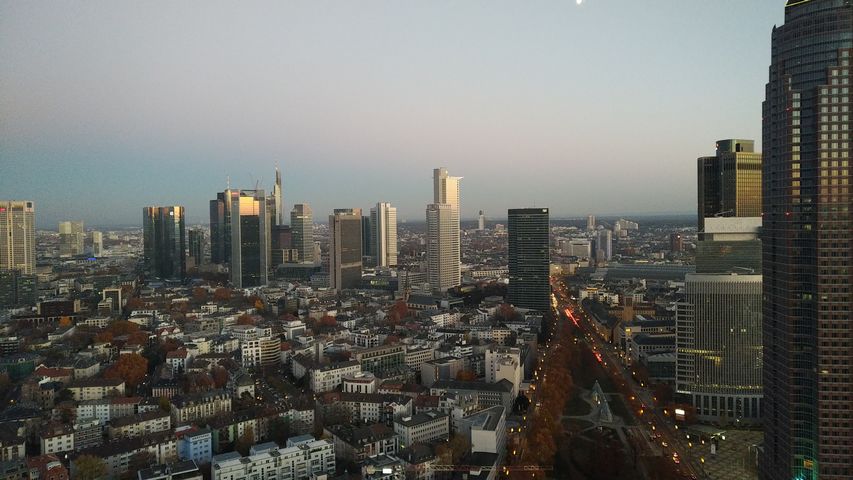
{"points": [[164, 242], [195, 238], [220, 227], [302, 230], [529, 258], [345, 249], [17, 289], [250, 236], [730, 182], [807, 243]]}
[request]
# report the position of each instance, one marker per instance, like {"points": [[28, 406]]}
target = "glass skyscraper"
{"points": [[807, 245], [250, 236], [730, 181], [220, 227], [529, 258], [164, 242]]}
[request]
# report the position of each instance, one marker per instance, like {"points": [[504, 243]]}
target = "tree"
{"points": [[245, 441], [89, 467], [222, 294], [131, 368], [165, 404], [199, 295], [466, 376], [280, 430], [220, 377], [245, 319]]}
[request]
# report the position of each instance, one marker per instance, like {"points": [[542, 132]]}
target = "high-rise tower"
{"points": [[250, 239], [529, 258], [729, 183], [164, 242], [807, 243], [278, 195], [220, 227], [481, 221], [443, 251], [302, 229], [18, 236], [71, 239], [383, 238], [345, 249]]}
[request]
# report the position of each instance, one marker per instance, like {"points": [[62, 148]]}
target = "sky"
{"points": [[602, 107]]}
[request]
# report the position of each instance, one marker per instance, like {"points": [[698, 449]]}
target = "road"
{"points": [[641, 401]]}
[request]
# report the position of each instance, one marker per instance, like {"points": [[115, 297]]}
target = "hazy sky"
{"points": [[108, 106]]}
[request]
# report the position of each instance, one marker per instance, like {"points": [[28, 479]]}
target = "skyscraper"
{"points": [[807, 239], [97, 243], [718, 326], [250, 239], [383, 222], [729, 183], [368, 235], [345, 249], [302, 227], [590, 222], [17, 236], [17, 289], [443, 267], [443, 251], [71, 239], [529, 258], [164, 242], [278, 195], [676, 242], [195, 239], [220, 227], [481, 221]]}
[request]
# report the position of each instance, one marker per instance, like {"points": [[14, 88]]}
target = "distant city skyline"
{"points": [[360, 104]]}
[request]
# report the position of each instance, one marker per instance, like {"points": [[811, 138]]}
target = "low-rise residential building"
{"points": [[186, 408], [195, 444], [355, 443], [95, 388], [184, 470], [422, 428], [378, 359], [139, 424], [328, 377], [261, 352], [298, 461]]}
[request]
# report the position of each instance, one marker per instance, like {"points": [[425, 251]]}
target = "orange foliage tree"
{"points": [[245, 319], [131, 368]]}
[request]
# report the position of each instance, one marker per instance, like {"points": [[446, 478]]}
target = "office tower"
{"points": [[718, 340], [718, 326], [590, 222], [529, 258], [302, 227], [250, 239], [220, 227], [97, 243], [164, 242], [481, 221], [17, 236], [71, 239], [345, 249], [603, 247], [17, 289], [676, 242], [383, 221], [367, 240], [443, 266], [445, 187], [443, 245], [729, 183], [729, 244], [195, 238], [278, 195], [806, 240], [283, 251]]}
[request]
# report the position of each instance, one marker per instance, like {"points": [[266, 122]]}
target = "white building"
{"points": [[328, 377], [443, 251], [261, 352], [383, 234], [504, 363], [422, 428], [299, 461]]}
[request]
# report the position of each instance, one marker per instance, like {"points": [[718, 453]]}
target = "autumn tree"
{"points": [[89, 467], [222, 294], [131, 368], [245, 319], [220, 377], [466, 376], [199, 295], [245, 441], [280, 430]]}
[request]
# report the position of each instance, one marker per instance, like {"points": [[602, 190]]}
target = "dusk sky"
{"points": [[603, 107]]}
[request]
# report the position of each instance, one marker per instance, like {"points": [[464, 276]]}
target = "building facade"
{"points": [[807, 242], [383, 234], [529, 258], [443, 244], [302, 225], [71, 239], [729, 183], [250, 239], [345, 249], [164, 242], [18, 236], [220, 227]]}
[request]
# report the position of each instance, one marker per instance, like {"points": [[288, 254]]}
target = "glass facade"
{"points": [[529, 258], [807, 245], [250, 239], [164, 242], [730, 182]]}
